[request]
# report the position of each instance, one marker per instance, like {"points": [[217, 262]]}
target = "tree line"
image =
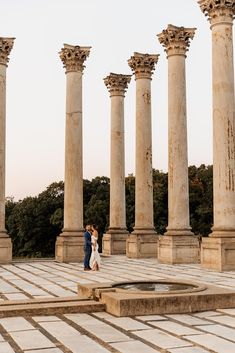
{"points": [[34, 222]]}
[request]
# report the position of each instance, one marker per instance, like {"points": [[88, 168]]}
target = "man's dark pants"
{"points": [[87, 251]]}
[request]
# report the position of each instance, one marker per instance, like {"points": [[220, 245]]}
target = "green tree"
{"points": [[201, 198], [160, 200], [130, 202], [29, 223]]}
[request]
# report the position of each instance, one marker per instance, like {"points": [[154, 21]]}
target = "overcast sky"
{"points": [[114, 29]]}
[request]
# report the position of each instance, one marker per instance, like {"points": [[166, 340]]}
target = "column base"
{"points": [[5, 250], [69, 248], [218, 253], [114, 243], [178, 232], [178, 249], [224, 233], [142, 246]]}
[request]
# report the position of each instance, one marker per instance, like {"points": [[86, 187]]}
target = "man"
{"points": [[87, 248]]}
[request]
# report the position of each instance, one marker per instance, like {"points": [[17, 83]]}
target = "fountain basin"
{"points": [[158, 287]]}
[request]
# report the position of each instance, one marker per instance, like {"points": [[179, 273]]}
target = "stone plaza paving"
{"points": [[100, 332]]}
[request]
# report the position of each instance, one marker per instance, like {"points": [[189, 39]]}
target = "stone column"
{"points": [[142, 243], [178, 245], [6, 45], [114, 242], [218, 251], [69, 245]]}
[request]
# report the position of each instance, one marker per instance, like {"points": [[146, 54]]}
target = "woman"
{"points": [[95, 256]]}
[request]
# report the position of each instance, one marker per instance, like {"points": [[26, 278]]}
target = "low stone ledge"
{"points": [[31, 309]]}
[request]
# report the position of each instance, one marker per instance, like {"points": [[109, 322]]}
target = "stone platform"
{"points": [[202, 332], [122, 302]]}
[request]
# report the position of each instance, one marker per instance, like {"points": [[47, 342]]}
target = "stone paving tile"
{"points": [[175, 328], [127, 323], [151, 318], [226, 311], [57, 290], [43, 296], [16, 296], [98, 328], [161, 339], [5, 348], [206, 314], [28, 287], [45, 318], [188, 319], [39, 281], [221, 331], [103, 315], [73, 289], [133, 346], [49, 350], [68, 283], [8, 276], [13, 268], [213, 342], [7, 288], [71, 338], [224, 319], [11, 324], [188, 350], [32, 339]]}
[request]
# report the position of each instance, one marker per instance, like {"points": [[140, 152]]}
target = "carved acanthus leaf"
{"points": [[73, 57], [6, 45], [117, 83], [221, 10], [176, 39], [143, 65]]}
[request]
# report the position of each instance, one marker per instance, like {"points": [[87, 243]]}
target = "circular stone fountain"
{"points": [[159, 297], [158, 287]]}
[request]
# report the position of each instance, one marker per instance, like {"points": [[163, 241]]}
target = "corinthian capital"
{"points": [[143, 65], [6, 44], [117, 84], [176, 40], [218, 10], [73, 57]]}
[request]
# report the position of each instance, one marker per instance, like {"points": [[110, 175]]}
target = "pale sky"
{"points": [[115, 30]]}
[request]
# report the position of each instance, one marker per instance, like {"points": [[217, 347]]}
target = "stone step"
{"points": [[30, 307]]}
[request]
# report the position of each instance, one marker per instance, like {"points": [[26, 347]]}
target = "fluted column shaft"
{"points": [[223, 127], [117, 84], [143, 161], [142, 243], [176, 43], [218, 249], [73, 186], [2, 147], [143, 66], [114, 241], [117, 166], [69, 245], [178, 195], [6, 45]]}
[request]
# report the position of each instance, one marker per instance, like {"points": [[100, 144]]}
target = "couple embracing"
{"points": [[92, 257]]}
